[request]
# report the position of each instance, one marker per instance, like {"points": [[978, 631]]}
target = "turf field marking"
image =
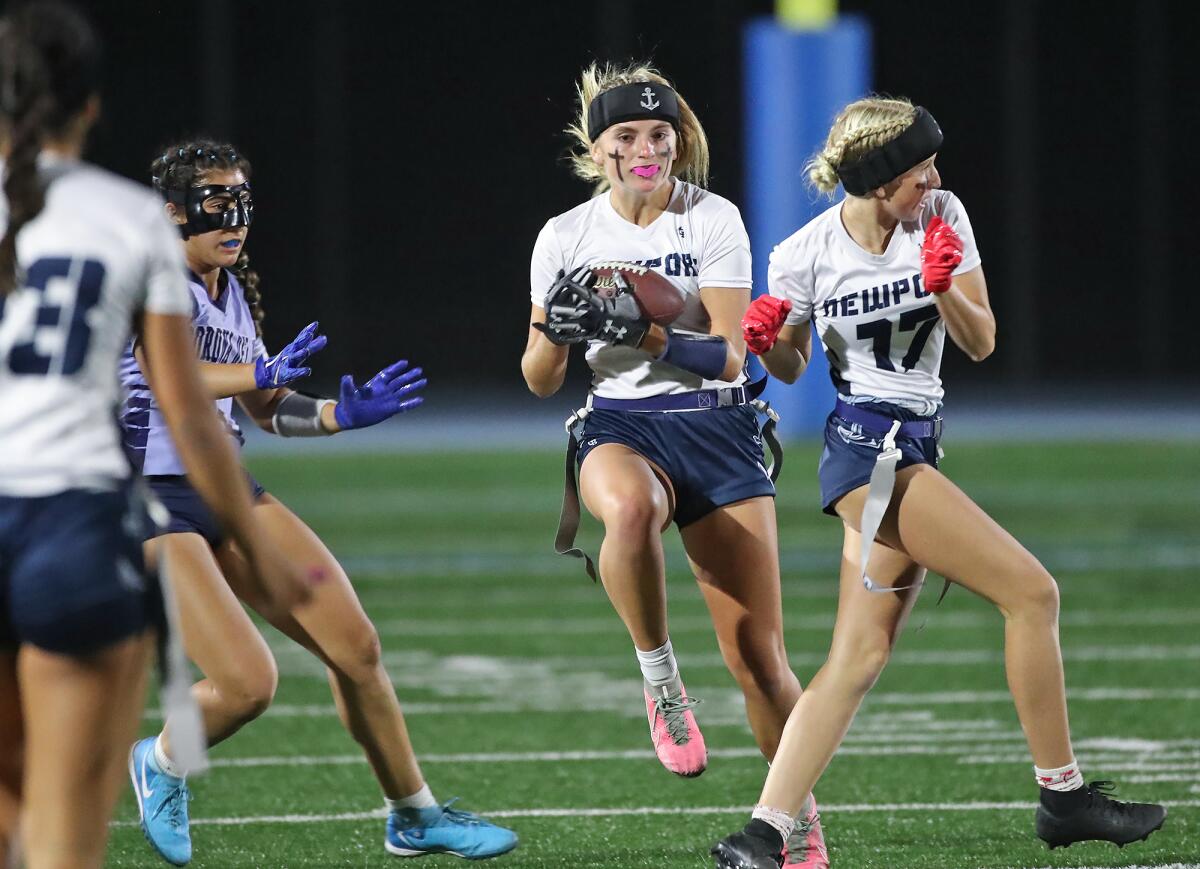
{"points": [[845, 808], [932, 698]]}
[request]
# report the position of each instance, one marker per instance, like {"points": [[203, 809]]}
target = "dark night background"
{"points": [[407, 155]]}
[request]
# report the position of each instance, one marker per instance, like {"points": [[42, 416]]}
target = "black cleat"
{"points": [[744, 850], [1100, 818]]}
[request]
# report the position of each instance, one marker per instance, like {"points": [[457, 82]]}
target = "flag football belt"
{"points": [[702, 399], [883, 476]]}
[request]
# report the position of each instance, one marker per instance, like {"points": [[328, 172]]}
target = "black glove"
{"points": [[575, 312], [572, 309]]}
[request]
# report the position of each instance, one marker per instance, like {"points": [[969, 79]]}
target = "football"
{"points": [[660, 300]]}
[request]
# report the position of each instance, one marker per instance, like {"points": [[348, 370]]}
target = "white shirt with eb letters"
{"points": [[100, 252], [880, 328], [698, 242]]}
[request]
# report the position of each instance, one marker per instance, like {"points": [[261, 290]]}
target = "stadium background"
{"points": [[405, 158]]}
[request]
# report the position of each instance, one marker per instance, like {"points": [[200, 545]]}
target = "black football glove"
{"points": [[572, 309], [621, 320]]}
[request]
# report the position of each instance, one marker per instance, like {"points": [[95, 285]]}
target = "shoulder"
{"points": [[944, 204], [706, 204], [808, 241], [571, 221], [94, 185]]}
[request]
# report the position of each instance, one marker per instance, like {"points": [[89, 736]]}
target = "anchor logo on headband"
{"points": [[648, 100]]}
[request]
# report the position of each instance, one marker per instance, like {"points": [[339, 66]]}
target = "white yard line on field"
{"points": [[831, 809]]}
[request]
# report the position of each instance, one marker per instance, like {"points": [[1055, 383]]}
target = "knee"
{"points": [[1037, 598], [634, 516], [358, 658], [759, 663], [857, 666], [252, 693]]}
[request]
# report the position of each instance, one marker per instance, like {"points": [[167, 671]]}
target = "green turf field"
{"points": [[524, 698]]}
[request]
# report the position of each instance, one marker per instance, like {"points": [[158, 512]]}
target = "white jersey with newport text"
{"points": [[100, 252], [880, 328], [225, 334], [699, 241]]}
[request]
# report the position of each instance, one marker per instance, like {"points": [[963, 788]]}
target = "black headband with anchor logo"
{"points": [[639, 101]]}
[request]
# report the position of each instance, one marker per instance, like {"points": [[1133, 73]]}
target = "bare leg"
{"points": [[81, 714], [734, 553], [943, 529], [239, 672], [623, 490], [866, 629], [334, 627], [12, 750]]}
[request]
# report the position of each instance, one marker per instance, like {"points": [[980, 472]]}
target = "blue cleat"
{"points": [[162, 803], [443, 830]]}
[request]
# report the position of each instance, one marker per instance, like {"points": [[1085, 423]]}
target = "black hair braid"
{"points": [[248, 278], [49, 67], [183, 165]]}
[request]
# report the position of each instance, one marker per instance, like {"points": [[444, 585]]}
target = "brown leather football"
{"points": [[660, 300]]}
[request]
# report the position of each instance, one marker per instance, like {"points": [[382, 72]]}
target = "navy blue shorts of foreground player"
{"points": [[72, 578], [851, 450], [189, 514], [713, 457]]}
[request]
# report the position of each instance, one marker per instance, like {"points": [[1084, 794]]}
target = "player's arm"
{"points": [[725, 307], [393, 390], [544, 363], [788, 357], [212, 466], [962, 300], [968, 315]]}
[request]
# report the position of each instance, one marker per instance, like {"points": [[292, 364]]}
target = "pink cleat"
{"points": [[805, 848], [673, 729]]}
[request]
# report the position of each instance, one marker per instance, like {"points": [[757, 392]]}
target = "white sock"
{"points": [[165, 765], [1065, 778], [422, 799], [658, 665], [781, 821]]}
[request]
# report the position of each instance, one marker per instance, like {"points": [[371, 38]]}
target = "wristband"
{"points": [[700, 354], [299, 416]]}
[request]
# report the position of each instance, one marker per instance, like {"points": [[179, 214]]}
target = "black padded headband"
{"points": [[919, 141], [639, 101]]}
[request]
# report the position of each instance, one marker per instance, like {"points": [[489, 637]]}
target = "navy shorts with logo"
{"points": [[72, 577], [189, 513], [851, 449], [712, 457]]}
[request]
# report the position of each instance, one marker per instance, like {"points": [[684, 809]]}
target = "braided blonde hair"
{"points": [[691, 147], [859, 127]]}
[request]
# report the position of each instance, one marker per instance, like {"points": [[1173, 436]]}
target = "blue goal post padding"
{"points": [[795, 81]]}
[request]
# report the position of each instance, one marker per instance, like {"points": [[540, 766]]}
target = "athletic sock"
{"points": [[1061, 789], [770, 825], [422, 799], [658, 665], [163, 764]]}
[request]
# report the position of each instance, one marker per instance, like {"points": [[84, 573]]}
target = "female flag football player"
{"points": [[885, 274], [669, 431], [207, 190], [84, 255]]}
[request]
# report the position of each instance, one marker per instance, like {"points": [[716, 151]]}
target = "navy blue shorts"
{"points": [[850, 452], [72, 578], [712, 457], [189, 513]]}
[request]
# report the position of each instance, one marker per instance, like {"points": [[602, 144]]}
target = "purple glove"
{"points": [[287, 365], [381, 397]]}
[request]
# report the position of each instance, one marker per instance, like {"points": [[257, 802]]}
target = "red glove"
{"points": [[762, 322], [941, 253]]}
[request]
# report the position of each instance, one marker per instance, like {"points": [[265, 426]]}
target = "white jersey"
{"points": [[101, 251], [880, 328], [699, 241]]}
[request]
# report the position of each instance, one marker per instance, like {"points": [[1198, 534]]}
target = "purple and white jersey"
{"points": [[224, 334]]}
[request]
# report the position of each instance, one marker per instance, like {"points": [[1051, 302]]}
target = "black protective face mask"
{"points": [[200, 221]]}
